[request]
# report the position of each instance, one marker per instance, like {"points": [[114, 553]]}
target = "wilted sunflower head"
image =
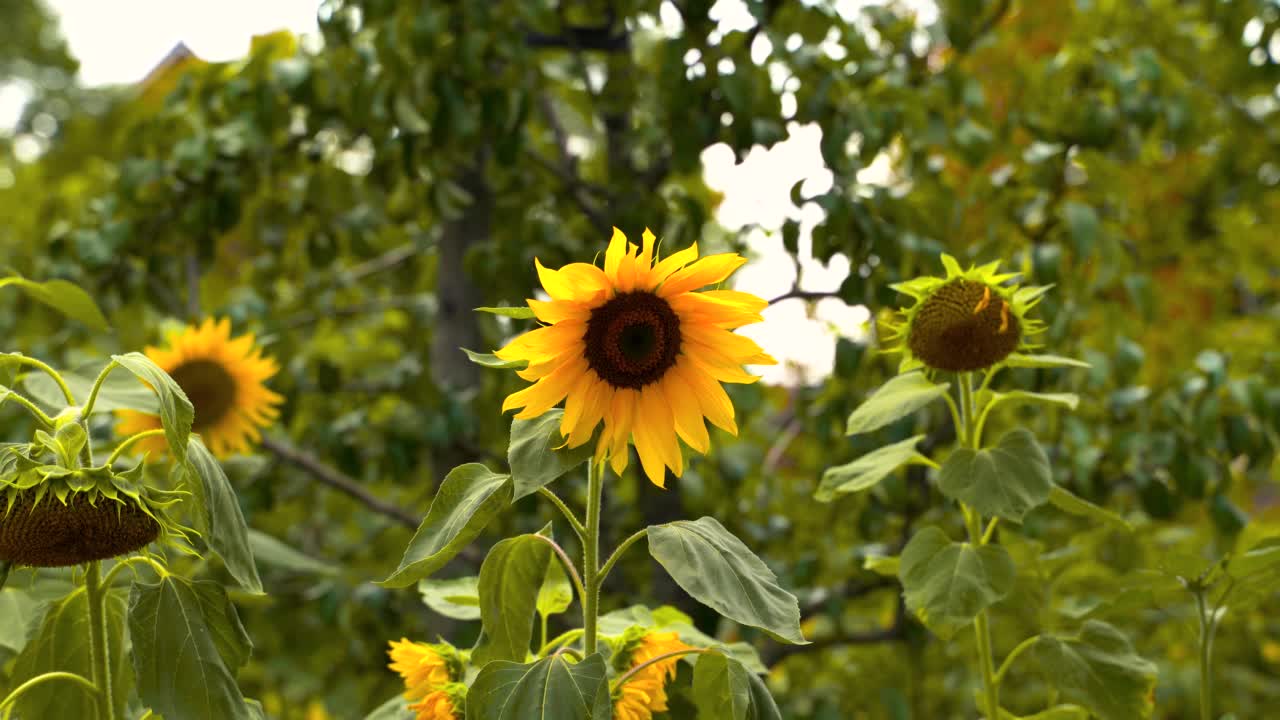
{"points": [[51, 516], [969, 320], [223, 377], [633, 345]]}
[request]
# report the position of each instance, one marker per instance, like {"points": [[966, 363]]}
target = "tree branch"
{"points": [[579, 37], [805, 295], [327, 475]]}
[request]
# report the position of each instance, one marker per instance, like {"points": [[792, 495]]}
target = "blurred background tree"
{"points": [[352, 196]]}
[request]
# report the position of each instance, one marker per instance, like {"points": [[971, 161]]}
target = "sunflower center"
{"points": [[963, 326], [633, 339], [209, 387]]}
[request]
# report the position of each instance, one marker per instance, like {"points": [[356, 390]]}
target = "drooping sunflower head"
{"points": [[634, 346], [52, 516], [645, 692], [431, 678], [969, 320], [223, 377]]}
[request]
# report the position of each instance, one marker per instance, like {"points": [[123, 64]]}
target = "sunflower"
{"points": [[223, 377], [633, 346], [430, 675], [52, 516], [645, 692], [969, 320]]}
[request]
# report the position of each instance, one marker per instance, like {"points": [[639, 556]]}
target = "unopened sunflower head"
{"points": [[52, 516], [224, 379], [645, 692], [634, 346], [968, 320]]}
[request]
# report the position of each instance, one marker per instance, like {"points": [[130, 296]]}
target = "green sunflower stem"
{"points": [[967, 432], [97, 595], [591, 559]]}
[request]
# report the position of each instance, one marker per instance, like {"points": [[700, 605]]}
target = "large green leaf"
{"points": [[1007, 480], [721, 688], [176, 412], [117, 392], [458, 598], [65, 297], [550, 689], [1066, 400], [468, 499], [1099, 669], [867, 471], [896, 399], [510, 578], [556, 593], [61, 644], [218, 515], [762, 705], [187, 643], [722, 573], [533, 455], [946, 584]]}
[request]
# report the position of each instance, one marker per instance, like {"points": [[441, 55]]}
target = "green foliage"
{"points": [[537, 455], [718, 570], [1099, 669], [867, 471], [552, 687], [1008, 480], [898, 398], [510, 588], [946, 584]]}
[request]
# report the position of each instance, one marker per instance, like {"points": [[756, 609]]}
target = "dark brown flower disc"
{"points": [[633, 339], [963, 326], [55, 535]]}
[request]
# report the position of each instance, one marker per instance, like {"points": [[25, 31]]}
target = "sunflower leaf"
{"points": [[1098, 668], [1008, 480], [273, 552], [519, 313], [1019, 360], [397, 708], [721, 688], [867, 471], [490, 360], [510, 578], [548, 688], [118, 392], [468, 499], [458, 598], [1067, 502], [719, 571], [896, 399], [65, 297], [219, 517], [176, 413], [536, 453], [187, 644], [946, 584]]}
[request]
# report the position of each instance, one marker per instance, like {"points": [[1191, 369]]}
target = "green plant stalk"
{"points": [[8, 703], [973, 522], [591, 559], [97, 595], [1206, 657]]}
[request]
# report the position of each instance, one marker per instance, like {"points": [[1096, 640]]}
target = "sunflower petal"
{"points": [[707, 271]]}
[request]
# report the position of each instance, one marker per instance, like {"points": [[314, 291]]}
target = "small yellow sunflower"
{"points": [[634, 346], [223, 377], [645, 693], [430, 675], [969, 320]]}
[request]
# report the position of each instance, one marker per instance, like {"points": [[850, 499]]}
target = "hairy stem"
{"points": [[973, 522], [591, 558], [7, 703], [97, 595], [574, 522], [1206, 657], [617, 553]]}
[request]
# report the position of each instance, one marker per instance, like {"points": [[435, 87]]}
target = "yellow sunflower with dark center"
{"points": [[645, 692], [633, 345], [969, 320], [223, 377]]}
